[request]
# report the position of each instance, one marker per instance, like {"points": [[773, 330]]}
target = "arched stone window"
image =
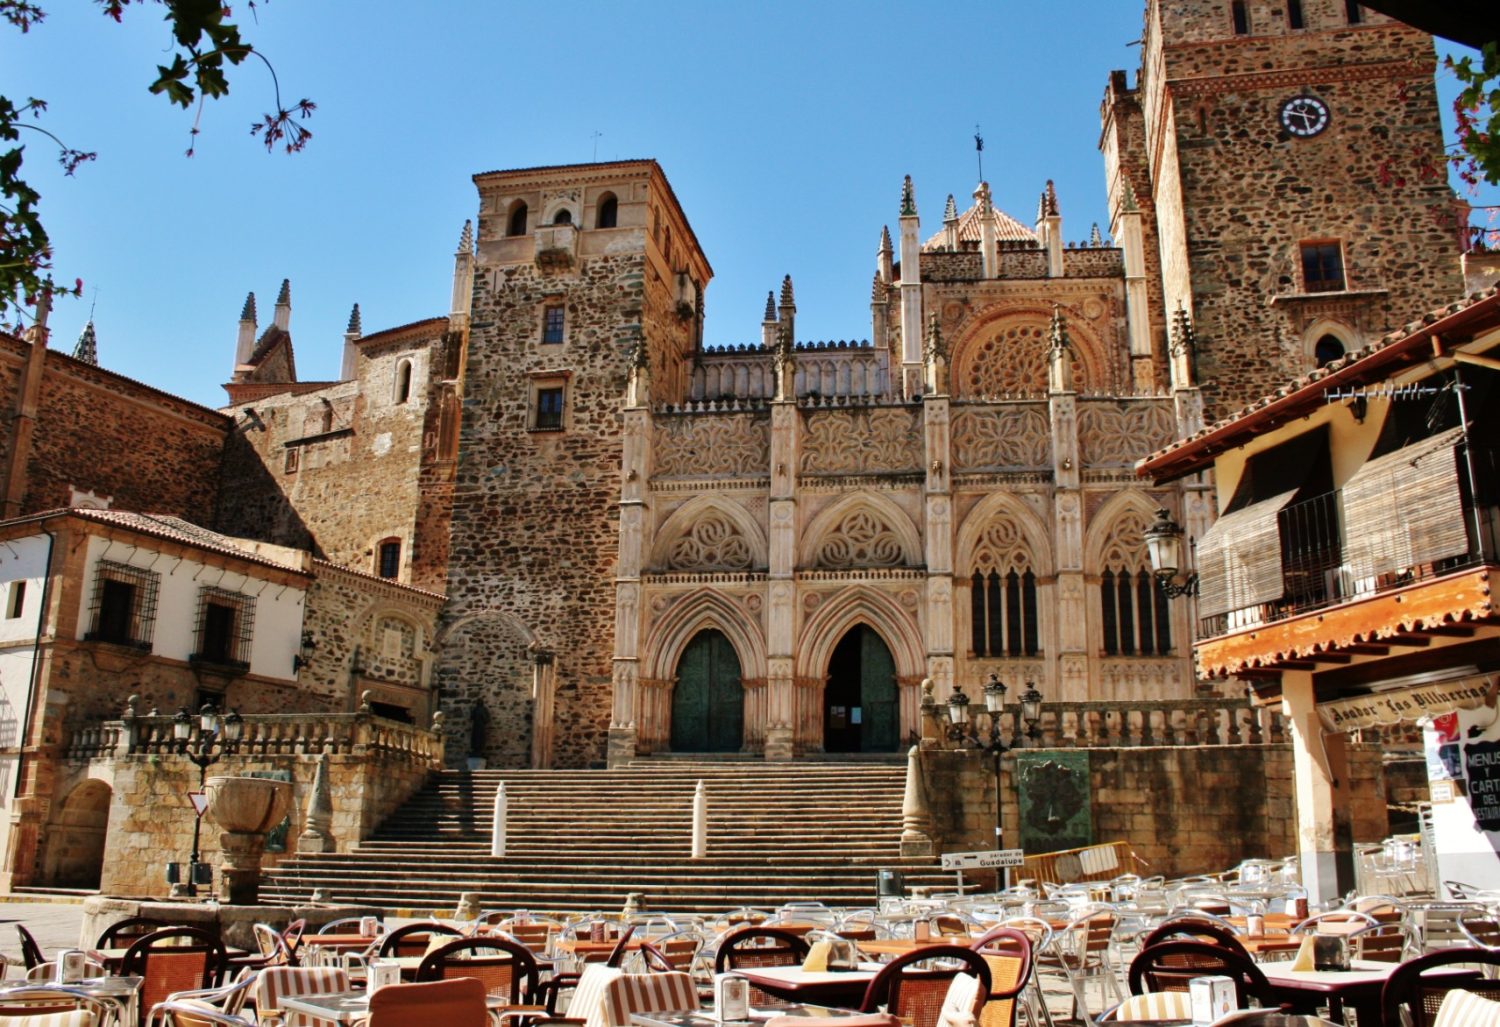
{"points": [[1328, 349], [403, 381], [1002, 594], [1135, 614], [564, 216], [608, 211], [515, 224]]}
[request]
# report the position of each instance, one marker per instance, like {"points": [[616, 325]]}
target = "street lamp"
{"points": [[997, 747], [1164, 544], [215, 734]]}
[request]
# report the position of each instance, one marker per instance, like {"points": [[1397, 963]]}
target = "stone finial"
{"points": [[786, 292], [640, 357], [132, 706], [770, 317], [466, 237], [316, 835], [354, 328], [950, 210], [1049, 201], [248, 314], [908, 199], [1128, 203], [285, 295], [87, 348], [1184, 342], [364, 701], [982, 198], [437, 721], [1096, 239], [877, 290], [1057, 333], [934, 342], [885, 239]]}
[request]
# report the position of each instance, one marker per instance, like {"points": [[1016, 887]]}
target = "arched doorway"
{"points": [[860, 708], [75, 837], [708, 703]]}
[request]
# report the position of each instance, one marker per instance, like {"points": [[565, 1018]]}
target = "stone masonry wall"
{"points": [[1185, 809], [151, 820], [535, 517], [98, 432], [336, 469], [1251, 192]]}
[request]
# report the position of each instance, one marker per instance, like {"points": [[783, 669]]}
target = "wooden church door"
{"points": [[861, 712], [708, 703]]}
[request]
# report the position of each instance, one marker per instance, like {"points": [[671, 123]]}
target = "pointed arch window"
{"points": [[1135, 616], [1003, 609]]}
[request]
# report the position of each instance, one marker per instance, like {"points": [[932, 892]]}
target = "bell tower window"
{"points": [[609, 211], [1322, 267], [1241, 18], [516, 224]]}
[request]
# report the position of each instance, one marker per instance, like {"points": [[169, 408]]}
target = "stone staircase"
{"points": [[582, 839]]}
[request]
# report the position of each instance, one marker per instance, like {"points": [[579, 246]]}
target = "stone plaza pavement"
{"points": [[55, 925]]}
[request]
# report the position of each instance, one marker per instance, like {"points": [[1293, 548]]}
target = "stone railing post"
{"points": [[316, 836], [916, 819], [700, 822]]}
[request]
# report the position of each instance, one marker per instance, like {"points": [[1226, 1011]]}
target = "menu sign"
{"points": [[1482, 764]]}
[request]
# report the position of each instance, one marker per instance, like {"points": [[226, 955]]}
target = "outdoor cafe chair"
{"points": [[1194, 926], [915, 986], [1466, 1009], [1170, 965], [45, 972], [272, 949], [1480, 929], [1007, 952], [31, 952], [1409, 996], [350, 925], [628, 994], [1080, 953], [1153, 1005], [751, 947], [507, 969], [277, 982], [412, 939], [23, 1001], [123, 933], [1338, 921], [677, 951], [174, 959], [1385, 943], [452, 1003]]}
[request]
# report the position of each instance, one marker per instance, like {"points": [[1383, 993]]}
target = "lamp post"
{"points": [[962, 729], [1164, 544], [215, 734]]}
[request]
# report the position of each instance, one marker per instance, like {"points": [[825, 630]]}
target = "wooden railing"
{"points": [[299, 734]]}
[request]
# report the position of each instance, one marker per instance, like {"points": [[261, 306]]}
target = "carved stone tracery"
{"points": [[1120, 433], [860, 540], [1006, 436], [721, 444], [713, 543], [861, 441]]}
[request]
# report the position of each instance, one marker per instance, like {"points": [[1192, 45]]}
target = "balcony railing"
{"points": [[1338, 548]]}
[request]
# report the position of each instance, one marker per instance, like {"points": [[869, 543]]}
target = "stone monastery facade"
{"points": [[648, 545]]}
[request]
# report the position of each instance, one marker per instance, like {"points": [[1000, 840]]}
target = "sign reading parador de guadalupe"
{"points": [[1405, 704]]}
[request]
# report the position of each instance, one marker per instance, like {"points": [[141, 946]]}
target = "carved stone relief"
{"points": [[867, 441], [861, 539], [1122, 433], [713, 543], [1009, 436], [731, 444]]}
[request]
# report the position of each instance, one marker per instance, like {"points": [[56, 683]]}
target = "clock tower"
{"points": [[1287, 158]]}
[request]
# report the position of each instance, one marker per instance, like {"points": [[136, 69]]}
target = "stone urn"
{"points": [[245, 808]]}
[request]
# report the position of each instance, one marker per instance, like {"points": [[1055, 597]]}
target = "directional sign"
{"points": [[200, 801], [983, 860]]}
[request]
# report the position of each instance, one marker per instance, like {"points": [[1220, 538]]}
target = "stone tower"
{"points": [[587, 280], [1285, 161]]}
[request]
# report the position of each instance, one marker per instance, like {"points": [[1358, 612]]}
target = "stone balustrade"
{"points": [[303, 734], [1125, 724]]}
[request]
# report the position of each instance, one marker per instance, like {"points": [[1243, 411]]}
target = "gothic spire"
{"points": [[354, 328], [87, 348], [770, 307], [248, 314], [1129, 204], [908, 199], [1058, 331], [950, 212], [877, 289], [934, 348], [466, 237], [285, 295], [786, 292], [885, 239], [1184, 342], [1048, 205], [1095, 239]]}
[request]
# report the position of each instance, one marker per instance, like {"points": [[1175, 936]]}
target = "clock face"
{"points": [[1304, 116]]}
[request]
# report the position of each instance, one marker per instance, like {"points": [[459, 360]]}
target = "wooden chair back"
{"points": [[174, 959], [507, 969], [912, 988], [1408, 991], [1170, 965], [1007, 952]]}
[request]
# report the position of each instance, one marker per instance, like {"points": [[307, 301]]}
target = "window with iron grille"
{"points": [[226, 622], [123, 610], [549, 409], [390, 558]]}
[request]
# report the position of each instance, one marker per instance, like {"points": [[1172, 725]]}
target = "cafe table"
{"points": [[1357, 988], [119, 992], [818, 987], [705, 1017]]}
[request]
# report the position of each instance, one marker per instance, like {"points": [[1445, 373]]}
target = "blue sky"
{"points": [[785, 129]]}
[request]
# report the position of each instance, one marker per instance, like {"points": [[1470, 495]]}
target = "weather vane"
{"points": [[979, 151], [597, 134]]}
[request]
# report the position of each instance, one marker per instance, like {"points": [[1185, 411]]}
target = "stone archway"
{"points": [[74, 854], [708, 700], [861, 708]]}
